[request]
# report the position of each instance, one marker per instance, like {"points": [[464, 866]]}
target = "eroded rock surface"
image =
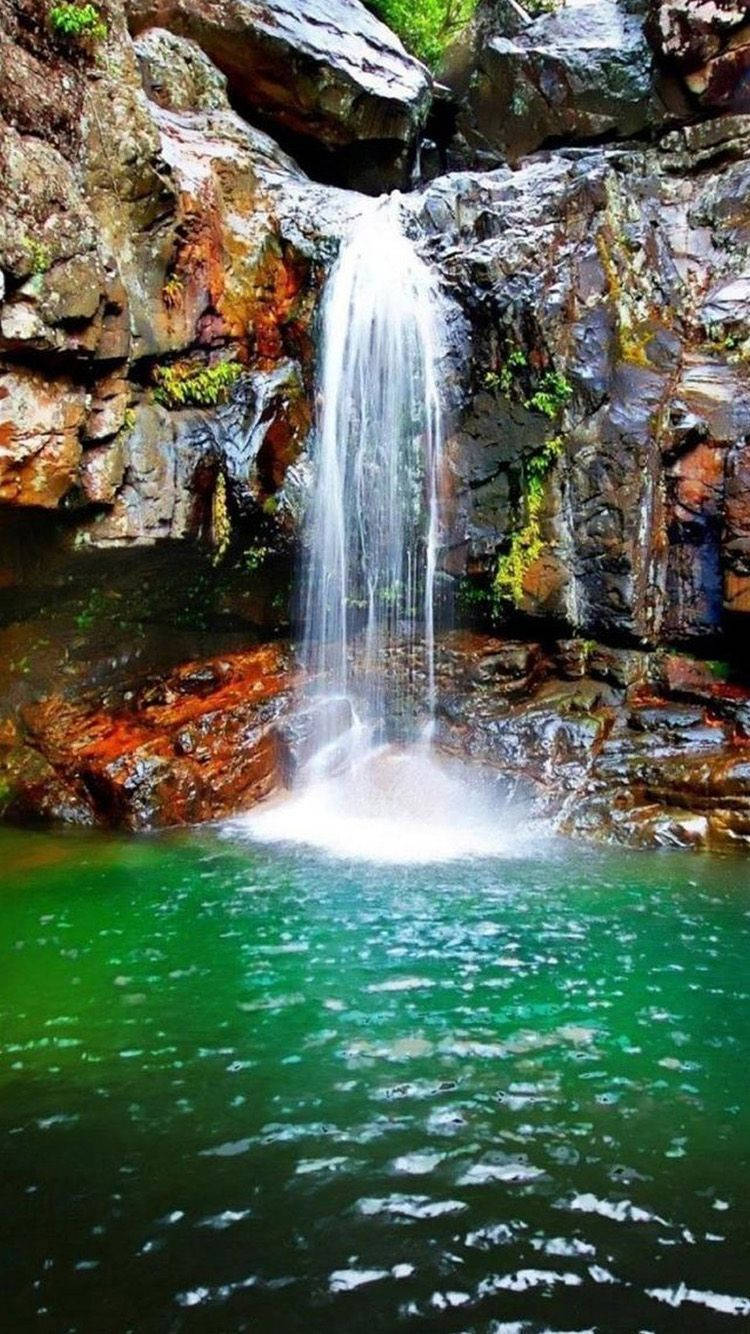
{"points": [[646, 749], [707, 43], [195, 745]]}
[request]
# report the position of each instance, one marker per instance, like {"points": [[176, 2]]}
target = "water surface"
{"points": [[253, 1089]]}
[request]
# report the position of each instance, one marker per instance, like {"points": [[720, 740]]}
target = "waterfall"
{"points": [[369, 577], [373, 524]]}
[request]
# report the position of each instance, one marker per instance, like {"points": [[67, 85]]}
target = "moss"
{"points": [[39, 255], [526, 543], [734, 345], [634, 310], [182, 386], [75, 22], [128, 421], [221, 524]]}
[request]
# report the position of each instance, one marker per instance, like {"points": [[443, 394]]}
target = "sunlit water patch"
{"points": [[252, 1088]]}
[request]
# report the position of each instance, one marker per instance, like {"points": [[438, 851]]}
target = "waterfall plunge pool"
{"points": [[252, 1088]]}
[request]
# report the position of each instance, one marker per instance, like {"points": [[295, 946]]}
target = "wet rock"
{"points": [[577, 73], [326, 71], [203, 745], [654, 765], [177, 75], [583, 263], [40, 450]]}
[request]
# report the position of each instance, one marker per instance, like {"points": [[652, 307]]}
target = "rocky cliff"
{"points": [[175, 186]]}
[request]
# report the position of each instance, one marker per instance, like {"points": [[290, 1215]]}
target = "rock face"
{"points": [[139, 233], [326, 71], [580, 72], [606, 296], [708, 46], [191, 746], [617, 746]]}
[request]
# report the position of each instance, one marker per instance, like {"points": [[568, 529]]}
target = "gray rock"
{"points": [[177, 75], [325, 71], [581, 72]]}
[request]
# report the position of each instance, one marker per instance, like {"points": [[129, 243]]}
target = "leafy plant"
{"points": [[553, 393], [255, 557], [425, 26], [526, 544], [182, 386], [172, 291], [71, 20]]}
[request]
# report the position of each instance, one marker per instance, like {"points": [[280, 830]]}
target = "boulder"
{"points": [[177, 75], [324, 71], [580, 72]]}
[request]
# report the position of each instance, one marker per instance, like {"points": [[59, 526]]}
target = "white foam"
{"points": [[398, 805], [715, 1301]]}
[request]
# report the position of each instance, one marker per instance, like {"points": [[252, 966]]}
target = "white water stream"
{"points": [[373, 535]]}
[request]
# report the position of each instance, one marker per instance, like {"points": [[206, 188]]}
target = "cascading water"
{"points": [[368, 588], [373, 526]]}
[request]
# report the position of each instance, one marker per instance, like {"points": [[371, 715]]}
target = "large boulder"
{"points": [[580, 72], [326, 72]]}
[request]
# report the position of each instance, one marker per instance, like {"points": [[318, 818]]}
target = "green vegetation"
{"points": [[128, 421], [504, 379], [182, 386], [425, 26], [77, 21], [254, 557], [39, 255], [221, 523], [172, 291], [526, 544], [553, 393]]}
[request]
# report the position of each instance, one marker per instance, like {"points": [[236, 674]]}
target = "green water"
{"points": [[252, 1090]]}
